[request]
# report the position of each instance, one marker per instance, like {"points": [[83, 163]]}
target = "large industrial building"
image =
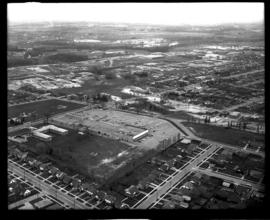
{"points": [[139, 130], [145, 136], [40, 133]]}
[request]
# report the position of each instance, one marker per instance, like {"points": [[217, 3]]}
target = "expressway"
{"points": [[72, 202], [173, 179]]}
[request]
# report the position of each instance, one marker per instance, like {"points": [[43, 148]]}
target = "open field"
{"points": [[52, 106], [80, 153], [224, 135]]}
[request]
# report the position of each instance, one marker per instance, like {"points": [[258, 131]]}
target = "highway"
{"points": [[48, 189], [173, 179]]}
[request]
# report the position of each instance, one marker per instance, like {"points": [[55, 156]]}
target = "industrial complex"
{"points": [[107, 116]]}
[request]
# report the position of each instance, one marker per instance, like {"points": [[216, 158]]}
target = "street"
{"points": [[48, 189], [175, 178]]}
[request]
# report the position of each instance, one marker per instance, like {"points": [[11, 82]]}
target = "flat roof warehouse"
{"points": [[123, 126]]}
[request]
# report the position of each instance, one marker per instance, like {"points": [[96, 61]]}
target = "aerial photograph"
{"points": [[135, 106]]}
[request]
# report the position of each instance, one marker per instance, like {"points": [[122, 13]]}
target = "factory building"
{"points": [[140, 135], [42, 136], [52, 129], [39, 133]]}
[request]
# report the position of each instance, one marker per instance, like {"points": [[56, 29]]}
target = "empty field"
{"points": [[224, 135], [51, 107], [84, 154]]}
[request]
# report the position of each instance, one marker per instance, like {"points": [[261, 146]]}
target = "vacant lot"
{"points": [[79, 153], [224, 135], [52, 106]]}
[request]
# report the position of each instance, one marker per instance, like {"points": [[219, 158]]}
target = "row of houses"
{"points": [[75, 183]]}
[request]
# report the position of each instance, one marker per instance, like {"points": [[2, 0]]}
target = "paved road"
{"points": [[231, 178], [23, 103], [248, 102], [175, 178], [46, 98], [48, 189], [242, 74], [248, 84], [262, 154], [23, 201], [207, 141]]}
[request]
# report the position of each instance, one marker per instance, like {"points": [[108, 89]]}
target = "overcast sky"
{"points": [[153, 13]]}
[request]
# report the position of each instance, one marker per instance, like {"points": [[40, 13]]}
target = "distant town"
{"points": [[119, 116]]}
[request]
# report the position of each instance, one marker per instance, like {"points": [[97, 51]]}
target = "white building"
{"points": [[140, 135]]}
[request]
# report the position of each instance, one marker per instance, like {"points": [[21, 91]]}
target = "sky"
{"points": [[151, 13]]}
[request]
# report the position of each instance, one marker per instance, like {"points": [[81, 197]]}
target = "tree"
{"points": [[110, 76], [47, 115], [41, 147], [244, 125]]}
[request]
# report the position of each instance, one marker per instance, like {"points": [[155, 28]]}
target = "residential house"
{"points": [[67, 180], [110, 199], [53, 170], [131, 191], [100, 195]]}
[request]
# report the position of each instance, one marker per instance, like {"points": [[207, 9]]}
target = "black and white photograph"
{"points": [[136, 106]]}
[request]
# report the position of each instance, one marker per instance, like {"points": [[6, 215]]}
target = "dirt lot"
{"points": [[78, 152]]}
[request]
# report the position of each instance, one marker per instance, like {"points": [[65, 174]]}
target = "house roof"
{"points": [[132, 189], [110, 198], [86, 186], [101, 194], [198, 175], [38, 163], [54, 170], [75, 182], [186, 141], [67, 179]]}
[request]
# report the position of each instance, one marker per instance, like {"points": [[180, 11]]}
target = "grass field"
{"points": [[80, 153], [42, 107], [224, 135], [179, 115]]}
